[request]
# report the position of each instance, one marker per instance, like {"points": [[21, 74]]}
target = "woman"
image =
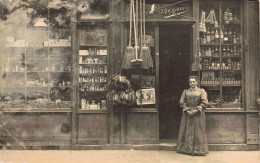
{"points": [[192, 135]]}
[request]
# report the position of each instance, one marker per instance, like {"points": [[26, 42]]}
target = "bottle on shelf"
{"points": [[212, 36], [216, 37], [216, 51], [212, 52], [230, 36], [221, 36], [105, 69], [228, 51], [208, 36], [224, 53], [226, 39], [204, 38]]}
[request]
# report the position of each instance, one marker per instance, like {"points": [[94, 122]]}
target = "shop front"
{"points": [[68, 81]]}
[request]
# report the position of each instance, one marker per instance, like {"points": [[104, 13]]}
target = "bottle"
{"points": [[87, 105], [208, 37], [235, 51], [105, 69], [216, 36], [204, 38], [209, 52], [226, 36], [218, 65], [213, 52], [224, 53], [234, 38], [221, 36], [228, 51], [216, 51], [231, 51], [202, 52], [212, 36], [230, 36]]}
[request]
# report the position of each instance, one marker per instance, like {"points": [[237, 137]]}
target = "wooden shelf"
{"points": [[93, 45], [92, 55], [231, 69], [210, 69], [36, 110], [209, 57], [92, 63], [209, 44], [95, 111], [231, 56]]}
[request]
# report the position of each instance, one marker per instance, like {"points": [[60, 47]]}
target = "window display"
{"points": [[220, 53], [93, 67], [36, 64]]}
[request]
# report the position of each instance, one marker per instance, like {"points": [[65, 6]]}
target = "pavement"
{"points": [[125, 156]]}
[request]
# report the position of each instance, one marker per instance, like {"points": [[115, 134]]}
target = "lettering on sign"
{"points": [[169, 10]]}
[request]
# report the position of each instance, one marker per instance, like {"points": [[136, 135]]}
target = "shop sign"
{"points": [[174, 10]]}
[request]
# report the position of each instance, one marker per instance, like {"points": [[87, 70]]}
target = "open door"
{"points": [[174, 65]]}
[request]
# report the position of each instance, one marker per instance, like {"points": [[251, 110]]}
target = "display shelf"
{"points": [[223, 84], [209, 44], [210, 57], [210, 69], [35, 110], [239, 70], [92, 63], [94, 111], [238, 57], [92, 55], [92, 45]]}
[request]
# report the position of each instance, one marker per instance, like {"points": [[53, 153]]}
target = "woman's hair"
{"points": [[194, 77]]}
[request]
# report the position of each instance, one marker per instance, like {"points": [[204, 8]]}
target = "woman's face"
{"points": [[193, 83]]}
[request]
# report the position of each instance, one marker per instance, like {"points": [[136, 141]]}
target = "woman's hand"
{"points": [[189, 112], [195, 111]]}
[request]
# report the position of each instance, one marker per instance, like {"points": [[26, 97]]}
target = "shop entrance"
{"points": [[174, 61]]}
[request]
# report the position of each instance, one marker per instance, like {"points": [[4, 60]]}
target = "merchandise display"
{"points": [[220, 53], [37, 76], [93, 68]]}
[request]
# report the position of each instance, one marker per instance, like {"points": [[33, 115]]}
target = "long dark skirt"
{"points": [[192, 135]]}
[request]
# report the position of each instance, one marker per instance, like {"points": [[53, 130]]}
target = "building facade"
{"points": [[68, 82]]}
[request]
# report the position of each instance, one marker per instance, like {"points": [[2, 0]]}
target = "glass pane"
{"points": [[231, 55], [35, 55], [143, 78], [209, 52], [93, 67]]}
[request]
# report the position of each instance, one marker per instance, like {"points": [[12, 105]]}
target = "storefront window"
{"points": [[220, 53], [93, 67], [143, 79], [36, 55]]}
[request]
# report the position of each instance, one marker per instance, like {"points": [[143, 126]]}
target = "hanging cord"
{"points": [[131, 21], [141, 19], [135, 32], [144, 19], [137, 17]]}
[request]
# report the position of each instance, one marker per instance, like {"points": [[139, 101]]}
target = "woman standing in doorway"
{"points": [[192, 135]]}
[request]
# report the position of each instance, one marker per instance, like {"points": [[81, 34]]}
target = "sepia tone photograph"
{"points": [[129, 81]]}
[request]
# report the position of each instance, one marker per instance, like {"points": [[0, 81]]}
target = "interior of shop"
{"points": [[175, 53]]}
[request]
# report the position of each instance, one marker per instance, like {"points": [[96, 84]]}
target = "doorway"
{"points": [[175, 44]]}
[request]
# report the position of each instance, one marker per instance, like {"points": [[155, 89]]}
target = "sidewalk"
{"points": [[125, 156]]}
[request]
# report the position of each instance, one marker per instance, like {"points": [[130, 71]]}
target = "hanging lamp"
{"points": [[129, 51]]}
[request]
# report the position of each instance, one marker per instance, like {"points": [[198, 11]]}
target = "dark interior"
{"points": [[175, 53]]}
